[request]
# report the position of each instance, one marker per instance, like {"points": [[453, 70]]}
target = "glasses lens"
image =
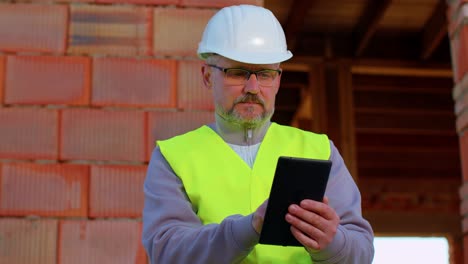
{"points": [[237, 76], [266, 77], [240, 76]]}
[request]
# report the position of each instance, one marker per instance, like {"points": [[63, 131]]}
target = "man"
{"points": [[206, 191]]}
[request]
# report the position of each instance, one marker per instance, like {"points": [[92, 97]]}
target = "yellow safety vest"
{"points": [[219, 183]]}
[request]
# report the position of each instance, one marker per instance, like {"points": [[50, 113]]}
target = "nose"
{"points": [[251, 86]]}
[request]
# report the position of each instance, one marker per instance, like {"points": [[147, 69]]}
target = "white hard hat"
{"points": [[245, 33]]}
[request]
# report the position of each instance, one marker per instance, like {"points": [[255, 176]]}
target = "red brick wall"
{"points": [[457, 14], [85, 90]]}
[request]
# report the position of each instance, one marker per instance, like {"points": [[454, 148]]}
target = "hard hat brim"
{"points": [[250, 58]]}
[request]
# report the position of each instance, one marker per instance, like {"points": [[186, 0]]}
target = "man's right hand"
{"points": [[259, 215]]}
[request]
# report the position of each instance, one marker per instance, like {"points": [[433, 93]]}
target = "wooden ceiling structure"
{"points": [[375, 75], [416, 29]]}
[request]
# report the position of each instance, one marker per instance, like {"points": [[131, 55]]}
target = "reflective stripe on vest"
{"points": [[219, 183]]}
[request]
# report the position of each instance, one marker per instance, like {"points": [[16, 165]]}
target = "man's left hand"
{"points": [[313, 224]]}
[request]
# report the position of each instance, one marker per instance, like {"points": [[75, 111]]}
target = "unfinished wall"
{"points": [[86, 87]]}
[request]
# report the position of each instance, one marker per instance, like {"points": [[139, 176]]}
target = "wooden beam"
{"points": [[295, 67], [368, 23], [407, 223], [347, 122], [376, 62], [295, 21], [401, 71], [434, 30], [318, 94], [404, 131]]}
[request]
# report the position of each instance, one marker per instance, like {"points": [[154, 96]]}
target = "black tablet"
{"points": [[295, 179]]}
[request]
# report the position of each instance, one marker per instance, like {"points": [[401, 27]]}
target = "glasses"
{"points": [[238, 76]]}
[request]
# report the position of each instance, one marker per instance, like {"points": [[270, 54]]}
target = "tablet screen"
{"points": [[295, 179]]}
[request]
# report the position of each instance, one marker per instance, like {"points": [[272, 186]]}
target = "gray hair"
{"points": [[212, 58]]}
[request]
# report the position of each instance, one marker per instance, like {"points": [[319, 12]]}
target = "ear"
{"points": [[206, 75]]}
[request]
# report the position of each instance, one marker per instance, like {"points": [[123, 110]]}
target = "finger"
{"points": [[311, 204], [314, 206], [304, 240], [262, 208], [309, 229], [325, 200], [319, 208], [306, 216]]}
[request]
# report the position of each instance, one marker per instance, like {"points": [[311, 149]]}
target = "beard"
{"points": [[233, 116]]}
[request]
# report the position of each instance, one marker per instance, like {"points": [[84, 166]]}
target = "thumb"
{"points": [[325, 200]]}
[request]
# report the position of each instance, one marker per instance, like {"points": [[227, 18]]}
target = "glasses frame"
{"points": [[225, 70]]}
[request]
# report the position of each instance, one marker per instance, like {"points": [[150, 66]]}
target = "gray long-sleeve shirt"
{"points": [[173, 233]]}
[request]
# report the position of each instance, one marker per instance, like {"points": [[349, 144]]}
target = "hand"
{"points": [[313, 224], [259, 215]]}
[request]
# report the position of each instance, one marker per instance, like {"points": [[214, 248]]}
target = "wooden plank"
{"points": [[407, 141], [405, 131], [295, 21], [435, 162], [368, 23], [401, 71], [295, 67], [398, 149], [435, 31], [396, 63], [333, 117], [405, 111], [456, 248], [347, 122], [385, 223], [375, 62], [317, 90], [410, 173], [402, 90]]}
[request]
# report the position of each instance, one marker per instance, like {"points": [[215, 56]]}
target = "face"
{"points": [[249, 104]]}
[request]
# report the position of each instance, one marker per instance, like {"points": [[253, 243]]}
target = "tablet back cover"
{"points": [[295, 179]]}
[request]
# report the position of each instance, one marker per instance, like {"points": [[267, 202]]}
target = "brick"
{"points": [[37, 28], [455, 20], [462, 66], [134, 82], [114, 30], [25, 241], [163, 125], [219, 3], [457, 16], [465, 243], [28, 133], [464, 207], [57, 1], [464, 154], [461, 103], [463, 191], [150, 2], [465, 226], [91, 134], [459, 53], [462, 122], [192, 94], [100, 242], [47, 80], [2, 77], [189, 23], [44, 189], [454, 52], [116, 191]]}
